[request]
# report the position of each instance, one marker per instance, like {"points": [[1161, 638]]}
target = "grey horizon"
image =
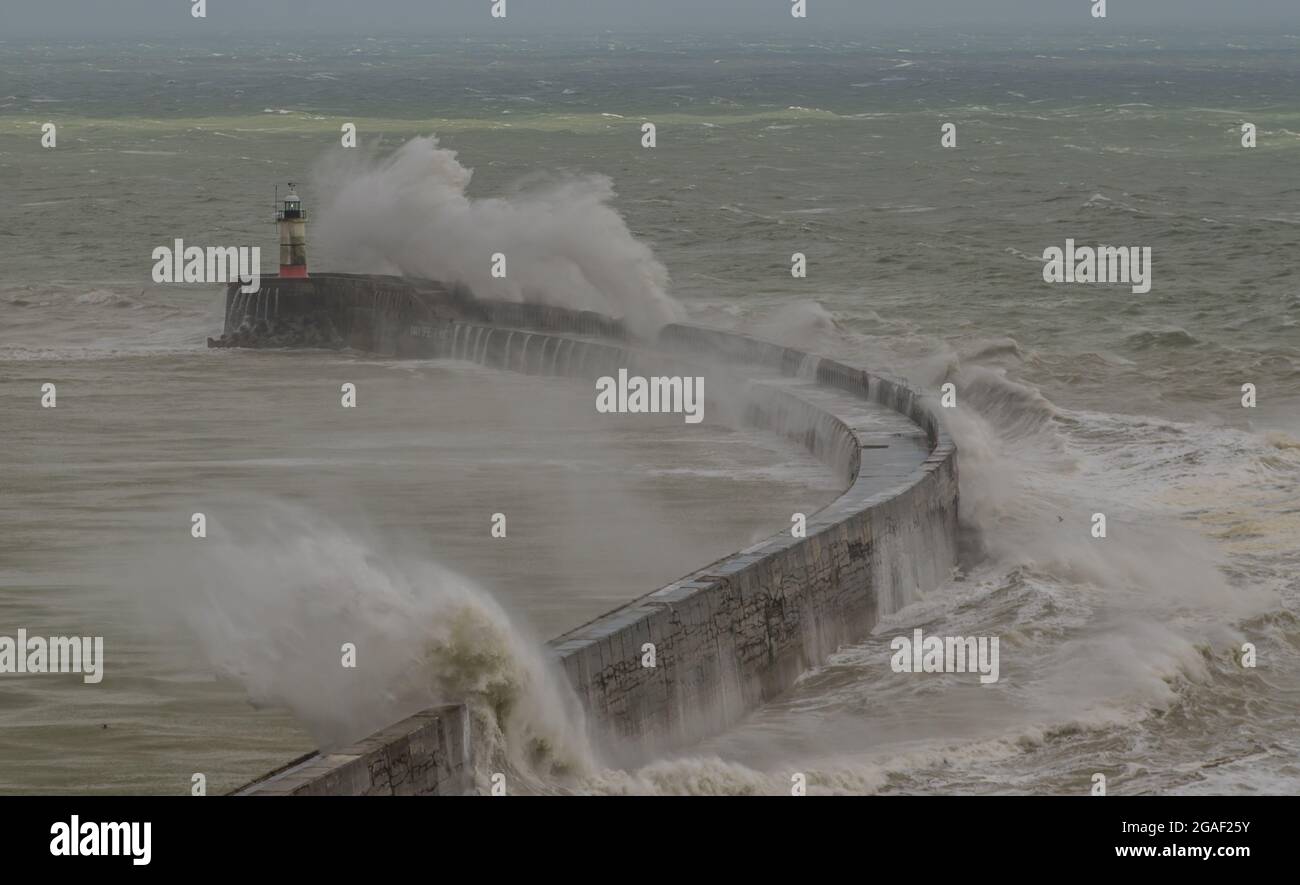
{"points": [[145, 18]]}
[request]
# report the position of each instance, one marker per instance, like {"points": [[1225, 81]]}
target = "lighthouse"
{"points": [[292, 222]]}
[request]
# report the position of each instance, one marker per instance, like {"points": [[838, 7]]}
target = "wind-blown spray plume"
{"points": [[409, 213], [271, 603]]}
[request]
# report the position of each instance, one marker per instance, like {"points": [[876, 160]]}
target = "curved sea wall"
{"points": [[739, 632], [725, 638]]}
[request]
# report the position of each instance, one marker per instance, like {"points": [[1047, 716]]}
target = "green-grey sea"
{"points": [[1120, 655]]}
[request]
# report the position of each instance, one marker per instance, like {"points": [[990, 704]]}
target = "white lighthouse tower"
{"points": [[292, 222]]}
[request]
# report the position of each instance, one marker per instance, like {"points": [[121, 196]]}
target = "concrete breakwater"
{"points": [[428, 754], [725, 638], [374, 313]]}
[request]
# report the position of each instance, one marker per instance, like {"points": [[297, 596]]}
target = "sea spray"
{"points": [[1101, 639], [270, 601], [561, 241], [803, 324]]}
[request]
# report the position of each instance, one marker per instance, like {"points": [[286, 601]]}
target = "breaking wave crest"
{"points": [[273, 602], [410, 213]]}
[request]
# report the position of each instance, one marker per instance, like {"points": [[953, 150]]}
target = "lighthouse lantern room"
{"points": [[292, 221]]}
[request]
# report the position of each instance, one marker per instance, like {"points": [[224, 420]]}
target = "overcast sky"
{"points": [[849, 18]]}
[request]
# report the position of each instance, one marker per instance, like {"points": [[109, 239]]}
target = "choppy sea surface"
{"points": [[1118, 656]]}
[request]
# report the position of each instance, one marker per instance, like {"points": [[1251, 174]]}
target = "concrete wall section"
{"points": [[372, 312], [740, 631], [337, 310], [429, 754]]}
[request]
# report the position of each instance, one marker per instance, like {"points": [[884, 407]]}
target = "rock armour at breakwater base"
{"points": [[733, 634]]}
